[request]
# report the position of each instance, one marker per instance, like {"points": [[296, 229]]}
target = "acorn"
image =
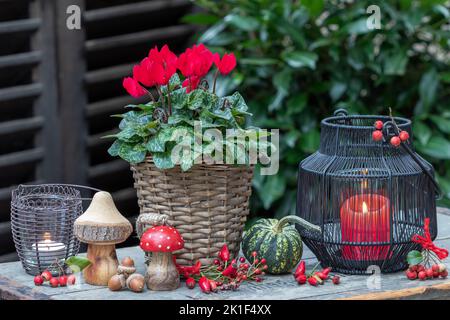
{"points": [[127, 262], [117, 282], [126, 267], [136, 282]]}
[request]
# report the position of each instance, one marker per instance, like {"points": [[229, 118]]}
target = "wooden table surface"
{"points": [[16, 284]]}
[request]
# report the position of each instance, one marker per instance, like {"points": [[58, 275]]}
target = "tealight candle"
{"points": [[49, 251]]}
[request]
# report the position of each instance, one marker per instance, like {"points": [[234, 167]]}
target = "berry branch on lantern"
{"points": [[394, 139]]}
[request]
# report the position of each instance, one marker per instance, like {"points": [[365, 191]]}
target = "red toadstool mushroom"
{"points": [[162, 273]]}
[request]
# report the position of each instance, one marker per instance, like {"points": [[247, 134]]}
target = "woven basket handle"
{"points": [[147, 220]]}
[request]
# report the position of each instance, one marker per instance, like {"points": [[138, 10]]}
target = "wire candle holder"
{"points": [[42, 219], [369, 198]]}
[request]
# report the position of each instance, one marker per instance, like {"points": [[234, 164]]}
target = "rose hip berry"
{"points": [[62, 281], [190, 283], [404, 135], [38, 280], [263, 261], [444, 274], [395, 141], [313, 281], [242, 259], [378, 124], [54, 282], [46, 275], [71, 280], [254, 254], [336, 280], [429, 273], [435, 268], [422, 275], [377, 135], [301, 279], [322, 276], [411, 275]]}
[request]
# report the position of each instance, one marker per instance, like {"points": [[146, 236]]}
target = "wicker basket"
{"points": [[208, 204]]}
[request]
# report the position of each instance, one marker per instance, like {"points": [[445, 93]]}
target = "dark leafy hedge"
{"points": [[299, 60]]}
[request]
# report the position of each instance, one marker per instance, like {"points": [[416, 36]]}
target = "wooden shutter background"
{"points": [[58, 88]]}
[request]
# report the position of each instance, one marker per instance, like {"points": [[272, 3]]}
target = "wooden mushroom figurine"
{"points": [[102, 227], [161, 241]]}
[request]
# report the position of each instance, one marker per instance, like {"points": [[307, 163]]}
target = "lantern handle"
{"points": [[340, 112], [413, 155], [77, 186], [391, 129]]}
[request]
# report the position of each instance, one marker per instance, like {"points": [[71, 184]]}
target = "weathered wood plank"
{"points": [[108, 168], [110, 106], [20, 59], [125, 194], [8, 257], [110, 73], [108, 43], [23, 91], [20, 157], [437, 291], [6, 237], [97, 139], [21, 125], [71, 61], [10, 289], [131, 9], [24, 25], [46, 104], [273, 288]]}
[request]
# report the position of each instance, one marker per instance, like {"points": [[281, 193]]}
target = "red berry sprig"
{"points": [[224, 273], [314, 278], [62, 280], [377, 135], [378, 125], [420, 272]]}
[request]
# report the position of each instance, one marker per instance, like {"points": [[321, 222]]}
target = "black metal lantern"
{"points": [[368, 197]]}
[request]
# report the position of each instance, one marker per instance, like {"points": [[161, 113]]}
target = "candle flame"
{"points": [[47, 236], [364, 208]]}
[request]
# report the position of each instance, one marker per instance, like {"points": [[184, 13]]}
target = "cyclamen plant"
{"points": [[176, 105]]}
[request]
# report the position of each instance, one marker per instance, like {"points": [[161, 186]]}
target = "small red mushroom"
{"points": [[162, 273]]}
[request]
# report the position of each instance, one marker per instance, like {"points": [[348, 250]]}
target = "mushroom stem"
{"points": [[162, 274], [104, 264]]}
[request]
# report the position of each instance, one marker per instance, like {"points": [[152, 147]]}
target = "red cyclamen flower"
{"points": [[191, 83], [157, 68], [148, 72], [133, 87], [168, 62], [227, 64], [195, 61]]}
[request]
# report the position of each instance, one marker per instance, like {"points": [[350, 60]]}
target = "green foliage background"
{"points": [[300, 60]]}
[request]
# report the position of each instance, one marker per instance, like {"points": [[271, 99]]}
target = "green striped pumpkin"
{"points": [[276, 241]]}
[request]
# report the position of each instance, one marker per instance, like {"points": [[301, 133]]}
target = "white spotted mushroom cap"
{"points": [[161, 239]]}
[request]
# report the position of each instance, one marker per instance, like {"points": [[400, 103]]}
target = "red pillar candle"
{"points": [[365, 220]]}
